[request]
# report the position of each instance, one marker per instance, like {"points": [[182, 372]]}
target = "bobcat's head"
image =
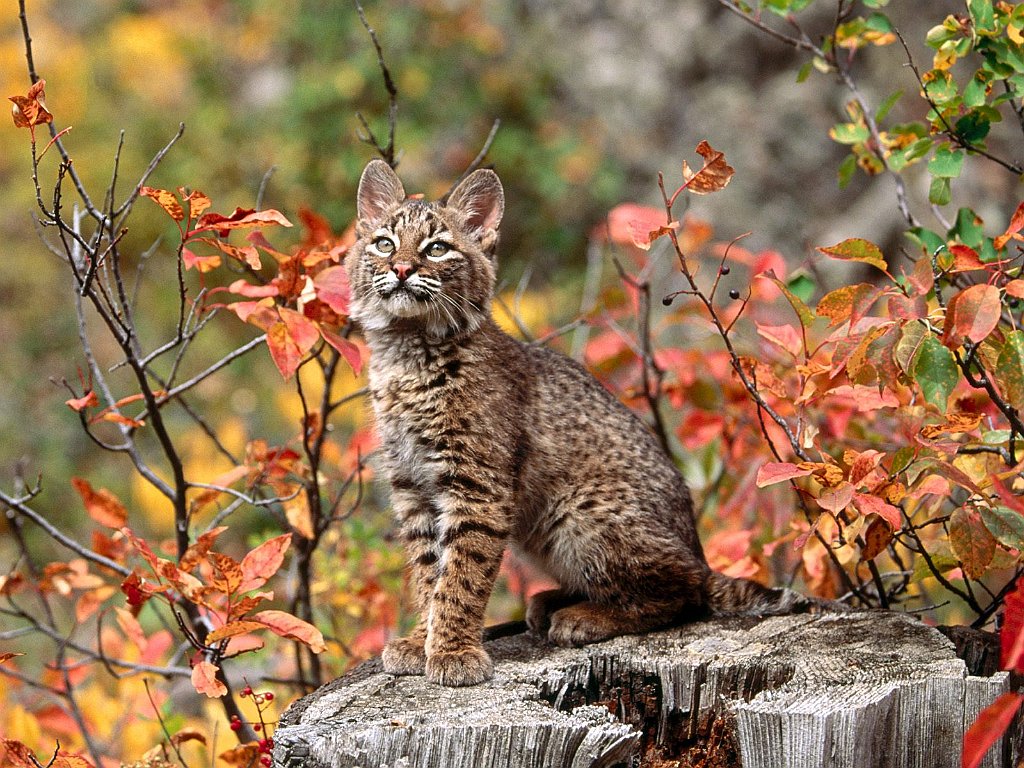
{"points": [[424, 266]]}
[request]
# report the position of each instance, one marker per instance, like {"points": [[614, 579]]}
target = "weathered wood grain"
{"points": [[845, 691]]}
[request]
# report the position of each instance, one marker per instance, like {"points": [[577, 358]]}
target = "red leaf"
{"points": [[245, 288], [851, 302], [868, 504], [332, 288], [965, 258], [204, 680], [778, 472], [715, 174], [1015, 288], [992, 723], [102, 506], [131, 627], [165, 200], [1016, 225], [17, 754], [197, 202], [973, 314], [293, 628], [29, 110], [836, 499], [347, 349], [67, 760], [263, 562], [1011, 637], [786, 337], [632, 224]]}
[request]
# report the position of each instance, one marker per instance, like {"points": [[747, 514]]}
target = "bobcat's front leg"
{"points": [[473, 534], [406, 655]]}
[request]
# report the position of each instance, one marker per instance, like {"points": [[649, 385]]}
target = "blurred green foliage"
{"points": [[269, 94]]}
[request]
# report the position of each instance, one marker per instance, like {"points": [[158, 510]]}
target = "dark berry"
{"points": [[667, 301], [268, 696], [1014, 303], [236, 725], [265, 760], [733, 293], [724, 270], [257, 727], [247, 691]]}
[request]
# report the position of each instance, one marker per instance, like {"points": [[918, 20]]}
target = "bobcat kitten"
{"points": [[488, 441]]}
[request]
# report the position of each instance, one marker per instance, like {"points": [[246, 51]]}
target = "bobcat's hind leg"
{"points": [[590, 622], [541, 605]]}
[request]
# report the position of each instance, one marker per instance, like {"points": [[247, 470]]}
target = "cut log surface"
{"points": [[852, 690]]}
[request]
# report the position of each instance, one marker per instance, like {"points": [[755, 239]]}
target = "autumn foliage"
{"points": [[859, 437]]}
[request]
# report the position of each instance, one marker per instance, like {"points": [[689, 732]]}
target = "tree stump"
{"points": [[857, 690]]}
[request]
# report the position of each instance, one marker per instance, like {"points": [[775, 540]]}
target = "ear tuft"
{"points": [[380, 190], [481, 200]]}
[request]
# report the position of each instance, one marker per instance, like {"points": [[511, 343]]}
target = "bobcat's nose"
{"points": [[403, 271]]}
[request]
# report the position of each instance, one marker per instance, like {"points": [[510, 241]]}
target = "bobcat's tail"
{"points": [[728, 595]]}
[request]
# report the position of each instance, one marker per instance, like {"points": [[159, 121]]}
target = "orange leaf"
{"points": [[244, 755], [188, 734], [259, 313], [233, 629], [245, 288], [293, 628], [965, 258], [200, 548], [240, 218], [29, 110], [1015, 226], [290, 339], [67, 760], [204, 264], [715, 174], [165, 200], [131, 627], [102, 506], [992, 723], [1015, 288], [972, 314], [228, 574], [8, 656], [89, 400], [197, 202], [298, 514], [263, 562], [204, 680], [18, 755]]}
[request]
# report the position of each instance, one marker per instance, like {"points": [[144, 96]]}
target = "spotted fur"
{"points": [[490, 442]]}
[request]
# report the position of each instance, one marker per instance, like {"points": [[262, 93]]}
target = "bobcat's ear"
{"points": [[481, 200], [379, 191]]}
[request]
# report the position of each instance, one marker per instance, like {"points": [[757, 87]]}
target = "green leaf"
{"points": [[928, 240], [947, 162], [983, 16], [968, 228], [940, 192], [805, 72], [849, 133], [801, 285], [909, 345], [1010, 370], [846, 170], [939, 86], [972, 127], [935, 372], [888, 104], [1006, 525], [977, 89], [857, 249], [803, 312]]}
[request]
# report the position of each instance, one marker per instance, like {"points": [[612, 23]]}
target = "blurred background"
{"points": [[594, 98]]}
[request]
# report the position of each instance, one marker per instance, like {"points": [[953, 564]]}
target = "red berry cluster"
{"points": [[265, 745]]}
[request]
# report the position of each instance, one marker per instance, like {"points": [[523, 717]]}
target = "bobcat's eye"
{"points": [[384, 245], [437, 249]]}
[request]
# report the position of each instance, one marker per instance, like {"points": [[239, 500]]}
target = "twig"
{"points": [[386, 151]]}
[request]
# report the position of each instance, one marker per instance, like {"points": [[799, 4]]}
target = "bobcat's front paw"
{"points": [[404, 656], [456, 668]]}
